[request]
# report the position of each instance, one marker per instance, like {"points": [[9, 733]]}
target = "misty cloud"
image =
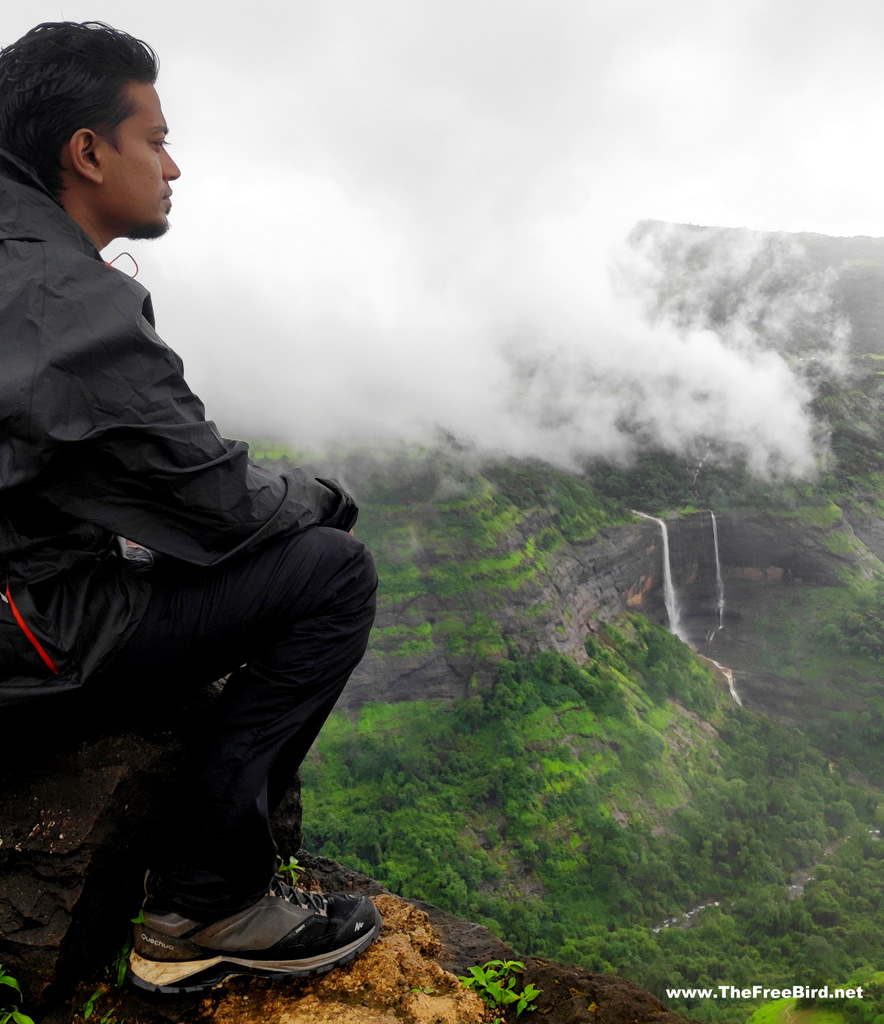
{"points": [[714, 342], [712, 347], [758, 291]]}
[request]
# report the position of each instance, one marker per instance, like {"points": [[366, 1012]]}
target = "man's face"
{"points": [[134, 198]]}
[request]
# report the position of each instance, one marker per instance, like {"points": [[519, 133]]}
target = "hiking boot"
{"points": [[288, 933]]}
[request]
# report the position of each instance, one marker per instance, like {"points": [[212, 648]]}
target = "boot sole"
{"points": [[182, 977]]}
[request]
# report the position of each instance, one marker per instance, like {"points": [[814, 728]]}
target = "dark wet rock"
{"points": [[84, 796], [573, 995]]}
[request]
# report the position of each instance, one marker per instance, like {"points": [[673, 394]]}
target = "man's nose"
{"points": [[170, 168]]}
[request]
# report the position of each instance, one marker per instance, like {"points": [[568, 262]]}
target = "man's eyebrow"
{"points": [[161, 129]]}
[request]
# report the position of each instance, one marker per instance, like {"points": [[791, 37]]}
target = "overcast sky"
{"points": [[390, 210]]}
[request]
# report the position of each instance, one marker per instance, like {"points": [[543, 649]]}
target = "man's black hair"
{"points": [[62, 76]]}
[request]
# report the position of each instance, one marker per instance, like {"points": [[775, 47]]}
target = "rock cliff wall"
{"points": [[763, 558], [553, 611]]}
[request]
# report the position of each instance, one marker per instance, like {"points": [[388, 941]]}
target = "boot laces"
{"points": [[314, 901]]}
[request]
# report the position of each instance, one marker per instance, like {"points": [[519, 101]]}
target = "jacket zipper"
{"points": [[38, 647]]}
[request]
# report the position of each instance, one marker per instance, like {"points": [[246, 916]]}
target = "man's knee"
{"points": [[337, 565]]}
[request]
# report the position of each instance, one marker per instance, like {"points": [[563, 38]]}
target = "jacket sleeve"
{"points": [[131, 450]]}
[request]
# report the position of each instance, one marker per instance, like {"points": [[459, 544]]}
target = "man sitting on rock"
{"points": [[255, 574]]}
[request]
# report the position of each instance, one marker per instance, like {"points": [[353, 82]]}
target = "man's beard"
{"points": [[146, 231]]}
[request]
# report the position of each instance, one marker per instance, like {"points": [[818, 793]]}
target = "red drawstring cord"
{"points": [[38, 647]]}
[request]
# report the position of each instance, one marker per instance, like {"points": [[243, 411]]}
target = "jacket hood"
{"points": [[29, 213]]}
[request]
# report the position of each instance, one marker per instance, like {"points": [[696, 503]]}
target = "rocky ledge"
{"points": [[76, 821], [408, 976]]}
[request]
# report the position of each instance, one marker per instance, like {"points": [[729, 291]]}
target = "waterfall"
{"points": [[670, 598], [719, 581], [729, 676]]}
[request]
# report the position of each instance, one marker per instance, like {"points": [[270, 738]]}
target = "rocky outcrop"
{"points": [[408, 976], [83, 791]]}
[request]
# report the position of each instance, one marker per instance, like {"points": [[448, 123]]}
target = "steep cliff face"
{"points": [[552, 609], [738, 584], [783, 579]]}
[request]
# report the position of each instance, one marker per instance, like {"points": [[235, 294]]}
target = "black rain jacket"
{"points": [[101, 438]]}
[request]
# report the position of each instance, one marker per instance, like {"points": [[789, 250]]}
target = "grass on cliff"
{"points": [[829, 643]]}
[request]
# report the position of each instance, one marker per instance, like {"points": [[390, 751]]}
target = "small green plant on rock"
{"points": [[290, 870], [494, 982], [118, 968], [10, 1013], [89, 1007]]}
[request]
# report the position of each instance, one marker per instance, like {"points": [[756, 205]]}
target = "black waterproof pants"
{"points": [[290, 622]]}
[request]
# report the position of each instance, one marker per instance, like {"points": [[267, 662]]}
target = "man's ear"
{"points": [[82, 155]]}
